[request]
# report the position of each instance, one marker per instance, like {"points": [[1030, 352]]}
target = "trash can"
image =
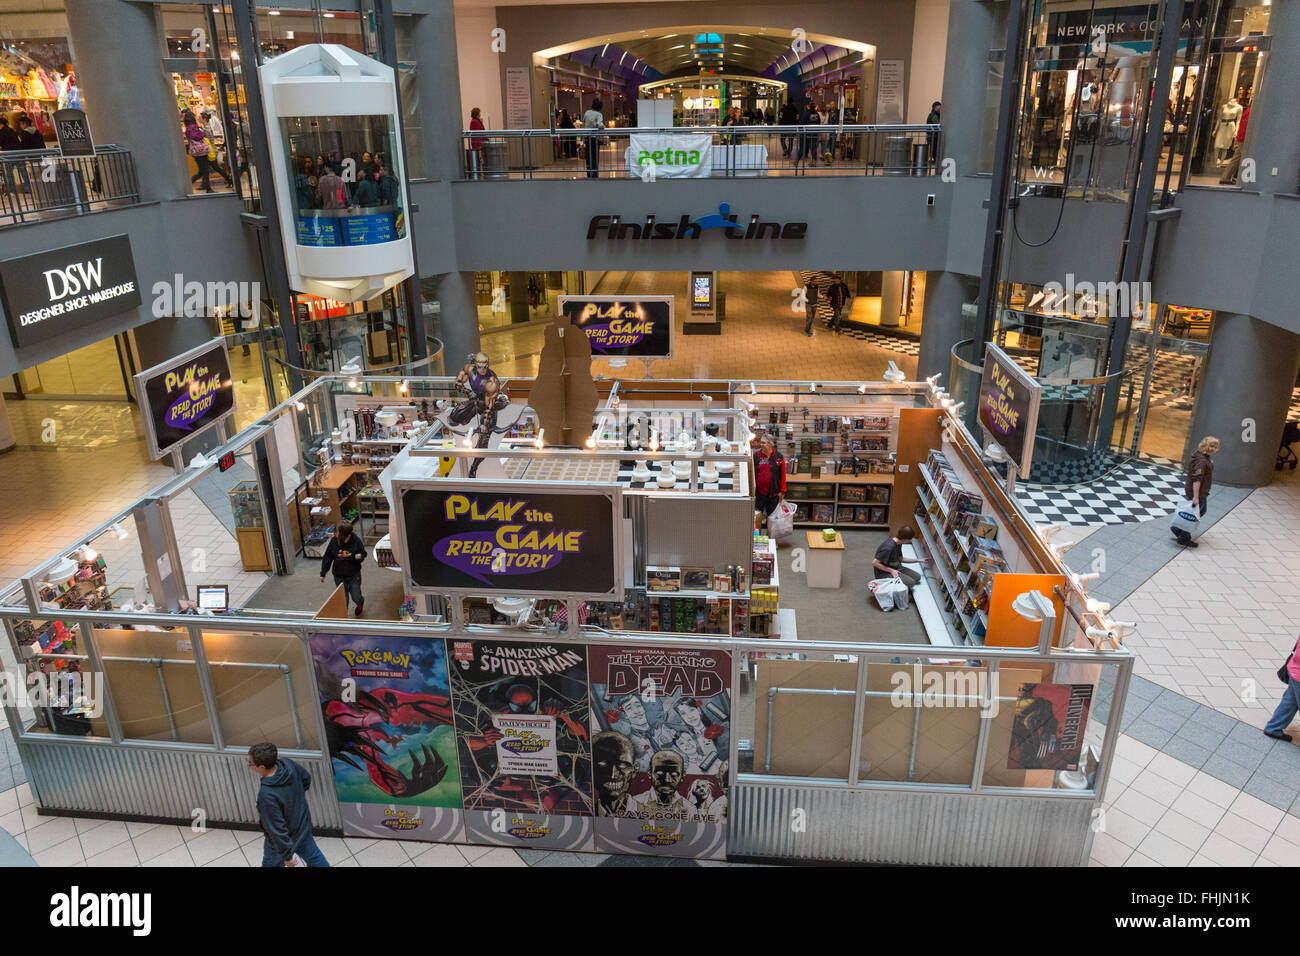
{"points": [[897, 155], [494, 159], [920, 158]]}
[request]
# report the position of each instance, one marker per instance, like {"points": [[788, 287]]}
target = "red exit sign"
{"points": [[227, 461]]}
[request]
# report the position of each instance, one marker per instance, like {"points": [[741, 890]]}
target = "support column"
{"points": [[127, 97], [965, 80], [1272, 136], [458, 321], [7, 442], [1248, 377], [891, 298], [438, 80], [519, 297], [942, 325]]}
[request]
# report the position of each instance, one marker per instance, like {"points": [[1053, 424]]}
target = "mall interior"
{"points": [[983, 274]]}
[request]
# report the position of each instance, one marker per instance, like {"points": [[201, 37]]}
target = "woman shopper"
{"points": [[476, 142], [1200, 477], [197, 145], [769, 478], [1288, 706], [343, 556], [593, 119]]}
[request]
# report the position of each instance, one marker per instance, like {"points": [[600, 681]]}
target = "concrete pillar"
{"points": [[1273, 136], [519, 297], [7, 442], [127, 97], [438, 80], [965, 80], [942, 324], [458, 319], [1248, 378], [891, 298]]}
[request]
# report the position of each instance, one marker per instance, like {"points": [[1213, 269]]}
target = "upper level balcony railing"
{"points": [[719, 152], [39, 184]]}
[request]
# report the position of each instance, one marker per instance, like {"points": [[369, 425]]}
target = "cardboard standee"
{"points": [[563, 394]]}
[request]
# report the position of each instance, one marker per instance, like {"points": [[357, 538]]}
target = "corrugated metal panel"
{"points": [[906, 827], [161, 783]]}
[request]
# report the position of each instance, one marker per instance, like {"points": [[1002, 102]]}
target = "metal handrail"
{"points": [[44, 184]]}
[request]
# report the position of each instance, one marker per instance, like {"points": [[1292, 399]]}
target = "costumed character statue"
{"points": [[486, 413]]}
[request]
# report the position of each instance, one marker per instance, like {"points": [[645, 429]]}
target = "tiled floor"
{"points": [[1161, 811], [1214, 623]]}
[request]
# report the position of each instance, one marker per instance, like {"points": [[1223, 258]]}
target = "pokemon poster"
{"points": [[523, 741], [661, 738], [388, 724]]}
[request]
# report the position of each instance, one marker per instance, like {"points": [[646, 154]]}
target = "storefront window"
{"points": [[60, 693], [1234, 72], [36, 71], [800, 728], [155, 684], [346, 179], [263, 689]]}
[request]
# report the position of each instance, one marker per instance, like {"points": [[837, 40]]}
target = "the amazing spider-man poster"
{"points": [[523, 741], [388, 723]]}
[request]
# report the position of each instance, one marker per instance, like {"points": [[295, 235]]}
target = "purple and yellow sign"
{"points": [[617, 327], [185, 395], [472, 537]]}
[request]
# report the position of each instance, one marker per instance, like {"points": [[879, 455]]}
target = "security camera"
{"points": [[929, 199]]}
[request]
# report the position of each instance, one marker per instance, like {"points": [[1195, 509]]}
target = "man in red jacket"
{"points": [[769, 477]]}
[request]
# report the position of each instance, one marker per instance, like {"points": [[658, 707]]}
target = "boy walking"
{"points": [[282, 808]]}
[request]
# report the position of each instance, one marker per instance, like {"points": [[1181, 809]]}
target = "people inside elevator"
{"points": [[888, 561], [388, 191], [333, 194], [367, 192], [593, 119], [769, 477], [810, 304], [1200, 477], [343, 557], [304, 193], [839, 296]]}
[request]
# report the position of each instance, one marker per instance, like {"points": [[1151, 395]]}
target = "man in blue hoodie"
{"points": [[282, 808]]}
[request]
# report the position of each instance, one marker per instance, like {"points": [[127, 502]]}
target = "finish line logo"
{"points": [[616, 229]]}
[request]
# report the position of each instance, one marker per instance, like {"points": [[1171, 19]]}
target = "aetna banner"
{"points": [[728, 224], [51, 293]]}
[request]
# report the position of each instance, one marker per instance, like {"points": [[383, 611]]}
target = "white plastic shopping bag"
{"points": [[780, 523], [1185, 518], [891, 593]]}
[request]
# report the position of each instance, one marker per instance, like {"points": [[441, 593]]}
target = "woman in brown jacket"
{"points": [[1200, 477]]}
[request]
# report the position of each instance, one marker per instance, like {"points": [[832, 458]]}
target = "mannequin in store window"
{"points": [[1225, 129]]}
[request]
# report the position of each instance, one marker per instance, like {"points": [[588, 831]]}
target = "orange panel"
{"points": [[1006, 627], [919, 430]]}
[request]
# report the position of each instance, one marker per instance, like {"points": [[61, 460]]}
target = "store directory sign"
{"points": [[52, 293], [185, 396], [1008, 406], [623, 328], [538, 539], [701, 291]]}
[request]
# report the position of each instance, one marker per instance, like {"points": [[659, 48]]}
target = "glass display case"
{"points": [[250, 526]]}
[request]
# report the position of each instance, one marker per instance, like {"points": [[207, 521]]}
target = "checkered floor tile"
{"points": [[625, 469], [1134, 491], [883, 340]]}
